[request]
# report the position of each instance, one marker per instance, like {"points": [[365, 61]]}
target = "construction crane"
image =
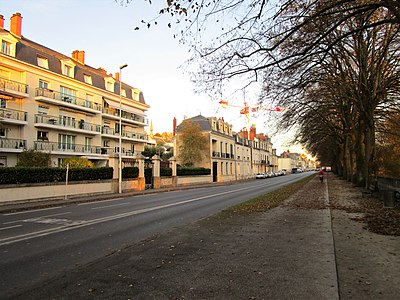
{"points": [[245, 110]]}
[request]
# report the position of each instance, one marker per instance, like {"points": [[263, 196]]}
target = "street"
{"points": [[37, 245]]}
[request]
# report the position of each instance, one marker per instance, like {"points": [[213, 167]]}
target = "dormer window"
{"points": [[67, 71], [6, 47], [43, 62], [67, 68], [87, 79], [109, 84]]}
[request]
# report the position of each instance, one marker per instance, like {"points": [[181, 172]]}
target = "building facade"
{"points": [[57, 104], [231, 156]]}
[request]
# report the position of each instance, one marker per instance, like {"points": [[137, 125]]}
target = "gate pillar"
{"points": [[141, 180], [156, 171], [172, 164]]}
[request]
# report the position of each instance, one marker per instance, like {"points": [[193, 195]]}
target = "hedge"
{"points": [[15, 175], [130, 172], [165, 172], [193, 171]]}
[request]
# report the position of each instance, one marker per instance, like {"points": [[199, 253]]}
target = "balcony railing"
{"points": [[126, 115], [222, 155], [60, 121], [13, 114], [66, 147], [126, 134], [134, 135], [13, 85], [6, 143], [40, 92], [216, 154], [113, 152]]}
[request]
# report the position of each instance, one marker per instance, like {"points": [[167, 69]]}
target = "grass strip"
{"points": [[269, 200]]}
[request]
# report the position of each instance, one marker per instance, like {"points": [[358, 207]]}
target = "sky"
{"points": [[104, 29]]}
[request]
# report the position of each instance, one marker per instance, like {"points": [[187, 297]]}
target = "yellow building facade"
{"points": [[54, 103], [231, 156]]}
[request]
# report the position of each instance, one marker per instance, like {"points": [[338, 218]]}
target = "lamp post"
{"points": [[120, 131]]}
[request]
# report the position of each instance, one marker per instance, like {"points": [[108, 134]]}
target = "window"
{"points": [[88, 144], [2, 103], [43, 84], [3, 161], [87, 79], [89, 100], [42, 136], [116, 126], [110, 86], [6, 47], [67, 94], [2, 132], [123, 92], [67, 121], [106, 143], [43, 110], [67, 71], [43, 62], [66, 142]]}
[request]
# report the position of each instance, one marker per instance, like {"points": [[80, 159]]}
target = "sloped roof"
{"points": [[28, 51], [202, 121]]}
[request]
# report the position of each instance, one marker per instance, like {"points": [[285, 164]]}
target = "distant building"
{"points": [[57, 104], [231, 156]]}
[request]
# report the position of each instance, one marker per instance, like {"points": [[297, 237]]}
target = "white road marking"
{"points": [[46, 216], [78, 224], [94, 202], [29, 211], [111, 205], [10, 227]]}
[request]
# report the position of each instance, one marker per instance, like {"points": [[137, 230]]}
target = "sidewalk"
{"points": [[290, 252]]}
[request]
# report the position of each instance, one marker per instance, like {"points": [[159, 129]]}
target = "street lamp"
{"points": [[120, 131]]}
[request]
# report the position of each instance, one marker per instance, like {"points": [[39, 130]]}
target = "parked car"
{"points": [[260, 176], [270, 174]]}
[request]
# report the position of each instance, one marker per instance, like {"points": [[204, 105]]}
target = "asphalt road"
{"points": [[37, 245]]}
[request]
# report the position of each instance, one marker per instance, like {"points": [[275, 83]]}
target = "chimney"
{"points": [[174, 126], [117, 76], [16, 24], [252, 133], [1, 22], [79, 56], [103, 71], [75, 54]]}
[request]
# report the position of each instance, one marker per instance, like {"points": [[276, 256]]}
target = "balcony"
{"points": [[12, 116], [59, 123], [112, 152], [66, 148], [126, 135], [13, 88], [222, 155], [70, 101], [12, 145], [126, 116]]}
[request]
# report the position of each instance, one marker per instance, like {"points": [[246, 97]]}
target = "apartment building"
{"points": [[57, 104], [231, 156]]}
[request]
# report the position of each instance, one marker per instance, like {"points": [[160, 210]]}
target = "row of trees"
{"points": [[333, 64]]}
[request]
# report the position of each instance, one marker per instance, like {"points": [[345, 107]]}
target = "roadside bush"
{"points": [[16, 175], [193, 171], [130, 172], [34, 159], [165, 172]]}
